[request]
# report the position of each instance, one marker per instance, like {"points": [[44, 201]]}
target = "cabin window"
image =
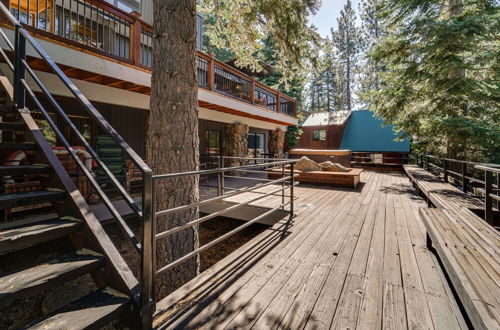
{"points": [[319, 135]]}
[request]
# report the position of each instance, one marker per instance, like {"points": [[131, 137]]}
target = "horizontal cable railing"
{"points": [[19, 67], [479, 179], [281, 181]]}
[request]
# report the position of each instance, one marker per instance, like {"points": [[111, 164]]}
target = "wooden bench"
{"points": [[439, 192], [469, 250], [340, 179]]}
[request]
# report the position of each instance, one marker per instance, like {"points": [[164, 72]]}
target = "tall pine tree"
{"points": [[347, 43], [441, 84], [371, 32]]}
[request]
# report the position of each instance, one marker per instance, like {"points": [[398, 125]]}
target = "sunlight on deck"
{"points": [[350, 258]]}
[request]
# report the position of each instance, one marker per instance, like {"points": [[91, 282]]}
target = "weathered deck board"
{"points": [[351, 258]]}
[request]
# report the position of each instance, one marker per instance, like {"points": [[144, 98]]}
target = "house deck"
{"points": [[350, 258]]}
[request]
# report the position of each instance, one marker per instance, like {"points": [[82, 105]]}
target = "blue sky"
{"points": [[328, 13]]}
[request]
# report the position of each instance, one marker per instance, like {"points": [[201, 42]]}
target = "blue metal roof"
{"points": [[365, 132]]}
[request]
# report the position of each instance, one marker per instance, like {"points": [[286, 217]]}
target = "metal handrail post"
{"points": [[283, 186], [148, 252], [219, 176], [292, 184], [19, 70], [488, 201]]}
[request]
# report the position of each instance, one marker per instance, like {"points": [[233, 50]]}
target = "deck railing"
{"points": [[102, 28], [23, 87], [371, 158], [280, 186], [479, 179]]}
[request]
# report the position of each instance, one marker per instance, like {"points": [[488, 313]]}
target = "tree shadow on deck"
{"points": [[205, 292], [357, 189]]}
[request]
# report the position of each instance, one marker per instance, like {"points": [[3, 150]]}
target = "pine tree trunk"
{"points": [[172, 139], [348, 81], [455, 8]]}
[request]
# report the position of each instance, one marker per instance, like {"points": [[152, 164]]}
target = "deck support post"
{"points": [[445, 170], [464, 179], [488, 201]]}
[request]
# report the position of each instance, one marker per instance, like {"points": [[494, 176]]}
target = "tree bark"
{"points": [[172, 139], [348, 80], [455, 8]]}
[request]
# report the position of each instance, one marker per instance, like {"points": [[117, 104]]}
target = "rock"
{"points": [[333, 167], [307, 165], [235, 144], [275, 142]]}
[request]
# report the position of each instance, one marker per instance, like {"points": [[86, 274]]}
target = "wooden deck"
{"points": [[351, 258]]}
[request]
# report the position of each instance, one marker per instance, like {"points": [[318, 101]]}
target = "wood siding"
{"points": [[334, 135]]}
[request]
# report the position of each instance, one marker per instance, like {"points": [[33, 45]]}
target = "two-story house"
{"points": [[105, 48]]}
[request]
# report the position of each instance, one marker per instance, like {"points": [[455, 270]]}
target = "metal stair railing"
{"points": [[19, 67]]}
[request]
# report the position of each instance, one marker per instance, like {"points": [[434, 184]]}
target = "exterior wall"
{"points": [[147, 11], [334, 135], [130, 123]]}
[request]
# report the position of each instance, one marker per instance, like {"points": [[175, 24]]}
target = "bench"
{"points": [[469, 250], [439, 192], [340, 179]]}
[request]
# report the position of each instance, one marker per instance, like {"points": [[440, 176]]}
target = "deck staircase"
{"points": [[43, 231], [51, 243]]}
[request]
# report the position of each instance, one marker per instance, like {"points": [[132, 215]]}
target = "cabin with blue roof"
{"points": [[372, 143]]}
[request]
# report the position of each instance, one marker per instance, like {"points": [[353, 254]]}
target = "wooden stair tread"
{"points": [[32, 280], [21, 237], [23, 169], [6, 108], [89, 312], [12, 126], [30, 197], [7, 146]]}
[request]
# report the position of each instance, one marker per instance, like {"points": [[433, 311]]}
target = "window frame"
{"points": [[319, 135]]}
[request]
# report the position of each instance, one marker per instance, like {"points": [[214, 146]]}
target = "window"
{"points": [[126, 5], [256, 141], [319, 135], [212, 142]]}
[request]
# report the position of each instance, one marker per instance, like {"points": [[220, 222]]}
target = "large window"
{"points": [[212, 142], [319, 135]]}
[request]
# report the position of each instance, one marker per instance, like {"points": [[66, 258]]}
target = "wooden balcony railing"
{"points": [[102, 28]]}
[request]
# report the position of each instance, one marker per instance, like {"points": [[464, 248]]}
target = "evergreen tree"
{"points": [[441, 84], [347, 42], [371, 32], [172, 139]]}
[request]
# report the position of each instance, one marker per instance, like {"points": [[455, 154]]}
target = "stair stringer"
{"points": [[117, 273]]}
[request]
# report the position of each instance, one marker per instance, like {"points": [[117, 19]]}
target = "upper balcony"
{"points": [[97, 27]]}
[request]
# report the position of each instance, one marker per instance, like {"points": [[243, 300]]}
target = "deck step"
{"points": [[90, 312], [30, 198], [18, 238], [33, 280], [6, 108], [12, 126], [13, 146], [17, 170]]}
